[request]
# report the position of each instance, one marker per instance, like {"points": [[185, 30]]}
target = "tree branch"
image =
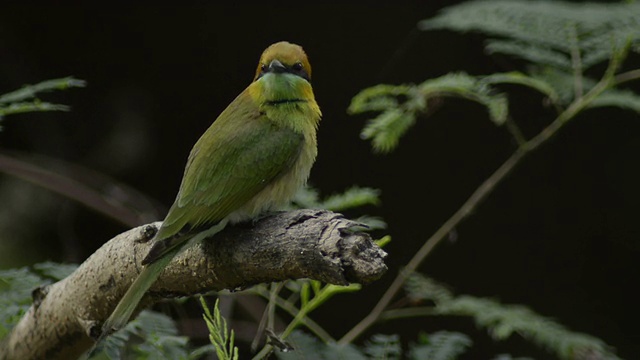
{"points": [[315, 244]]}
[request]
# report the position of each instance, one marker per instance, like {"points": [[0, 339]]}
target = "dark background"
{"points": [[559, 235]]}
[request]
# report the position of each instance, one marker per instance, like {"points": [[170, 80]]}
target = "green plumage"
{"points": [[254, 157]]}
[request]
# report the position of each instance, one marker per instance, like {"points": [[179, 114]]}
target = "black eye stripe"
{"points": [[295, 69]]}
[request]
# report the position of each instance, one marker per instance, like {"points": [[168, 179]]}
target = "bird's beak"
{"points": [[277, 67]]}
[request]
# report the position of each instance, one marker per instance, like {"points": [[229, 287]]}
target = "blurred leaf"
{"points": [[522, 79], [352, 198], [383, 347], [378, 98], [396, 117], [34, 106], [386, 129], [529, 52], [306, 347], [509, 357], [441, 345], [503, 321], [546, 32], [151, 335], [469, 87], [55, 271], [420, 287], [30, 91], [624, 99], [16, 286], [372, 222]]}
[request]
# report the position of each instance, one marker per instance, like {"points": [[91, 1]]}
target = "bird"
{"points": [[252, 159]]}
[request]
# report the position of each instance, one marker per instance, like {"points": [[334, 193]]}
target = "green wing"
{"points": [[237, 157]]}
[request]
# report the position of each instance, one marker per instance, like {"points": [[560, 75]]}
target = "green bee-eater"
{"points": [[253, 158]]}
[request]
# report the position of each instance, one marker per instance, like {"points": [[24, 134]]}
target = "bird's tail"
{"points": [[129, 302], [132, 297]]}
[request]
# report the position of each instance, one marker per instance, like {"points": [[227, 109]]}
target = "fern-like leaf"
{"points": [[546, 32], [16, 286], [624, 99], [397, 116], [159, 335], [441, 345], [352, 198], [219, 335], [31, 91], [519, 78], [503, 321], [469, 87], [306, 347], [24, 100], [383, 347], [509, 357], [531, 53]]}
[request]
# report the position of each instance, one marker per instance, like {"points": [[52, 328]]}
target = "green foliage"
{"points": [[219, 335], [549, 33], [503, 321], [54, 271], [384, 347], [17, 285], [25, 99], [386, 129], [441, 345], [558, 40], [518, 78], [623, 99], [309, 293], [509, 357], [352, 198], [151, 335], [306, 347]]}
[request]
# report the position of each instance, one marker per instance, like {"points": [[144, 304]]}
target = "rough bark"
{"points": [[314, 244]]}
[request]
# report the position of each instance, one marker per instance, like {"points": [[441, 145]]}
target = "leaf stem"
{"points": [[515, 131], [576, 63], [627, 76], [314, 327]]}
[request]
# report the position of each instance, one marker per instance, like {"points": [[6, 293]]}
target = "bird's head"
{"points": [[284, 58]]}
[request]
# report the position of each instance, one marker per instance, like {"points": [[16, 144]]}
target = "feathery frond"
{"points": [[441, 345], [546, 32], [220, 336], [384, 347], [403, 104], [25, 99], [503, 321]]}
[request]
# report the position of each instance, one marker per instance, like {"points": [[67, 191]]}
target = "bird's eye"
{"points": [[297, 66], [263, 67]]}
